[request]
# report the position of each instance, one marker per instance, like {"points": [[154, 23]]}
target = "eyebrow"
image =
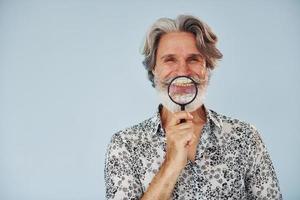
{"points": [[196, 55], [189, 55], [167, 56]]}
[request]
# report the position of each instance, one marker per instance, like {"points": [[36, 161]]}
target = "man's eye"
{"points": [[170, 60], [194, 59]]}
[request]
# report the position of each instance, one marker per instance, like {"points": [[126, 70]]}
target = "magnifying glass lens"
{"points": [[182, 90]]}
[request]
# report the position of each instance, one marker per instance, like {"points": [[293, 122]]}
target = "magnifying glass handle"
{"points": [[182, 109]]}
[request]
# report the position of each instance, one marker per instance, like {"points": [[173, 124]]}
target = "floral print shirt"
{"points": [[231, 162]]}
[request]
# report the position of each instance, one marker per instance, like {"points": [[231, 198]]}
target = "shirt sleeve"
{"points": [[121, 180], [261, 181]]}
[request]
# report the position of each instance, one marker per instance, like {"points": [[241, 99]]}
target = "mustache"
{"points": [[167, 81]]}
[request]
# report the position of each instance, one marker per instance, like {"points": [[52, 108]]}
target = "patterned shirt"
{"points": [[231, 162]]}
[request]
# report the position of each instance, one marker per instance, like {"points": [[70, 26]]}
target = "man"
{"points": [[209, 156]]}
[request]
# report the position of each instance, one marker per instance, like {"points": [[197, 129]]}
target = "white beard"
{"points": [[173, 107]]}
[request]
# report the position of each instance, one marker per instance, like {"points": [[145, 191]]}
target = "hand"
{"points": [[179, 138]]}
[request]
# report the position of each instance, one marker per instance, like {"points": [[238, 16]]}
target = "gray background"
{"points": [[71, 76]]}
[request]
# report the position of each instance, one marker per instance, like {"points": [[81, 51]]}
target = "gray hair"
{"points": [[205, 40]]}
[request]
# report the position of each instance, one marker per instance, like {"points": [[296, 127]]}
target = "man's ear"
{"points": [[153, 71]]}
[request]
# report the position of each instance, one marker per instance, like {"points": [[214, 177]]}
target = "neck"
{"points": [[199, 116]]}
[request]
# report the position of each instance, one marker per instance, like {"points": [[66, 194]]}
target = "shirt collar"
{"points": [[156, 123]]}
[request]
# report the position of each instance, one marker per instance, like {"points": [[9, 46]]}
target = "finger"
{"points": [[190, 140], [179, 129], [186, 137], [193, 140], [186, 125], [176, 117]]}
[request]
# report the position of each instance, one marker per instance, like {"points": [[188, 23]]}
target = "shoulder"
{"points": [[237, 128], [239, 136], [134, 134]]}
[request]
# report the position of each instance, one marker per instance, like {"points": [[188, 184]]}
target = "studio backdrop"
{"points": [[71, 75]]}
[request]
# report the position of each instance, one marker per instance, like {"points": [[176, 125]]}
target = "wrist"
{"points": [[171, 168]]}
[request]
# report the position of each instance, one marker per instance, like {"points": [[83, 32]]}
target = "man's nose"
{"points": [[183, 69]]}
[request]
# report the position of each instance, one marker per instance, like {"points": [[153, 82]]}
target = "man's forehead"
{"points": [[177, 39], [177, 34]]}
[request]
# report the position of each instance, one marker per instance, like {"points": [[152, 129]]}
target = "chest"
{"points": [[214, 169]]}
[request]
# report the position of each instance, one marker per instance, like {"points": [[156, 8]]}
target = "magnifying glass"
{"points": [[182, 90]]}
